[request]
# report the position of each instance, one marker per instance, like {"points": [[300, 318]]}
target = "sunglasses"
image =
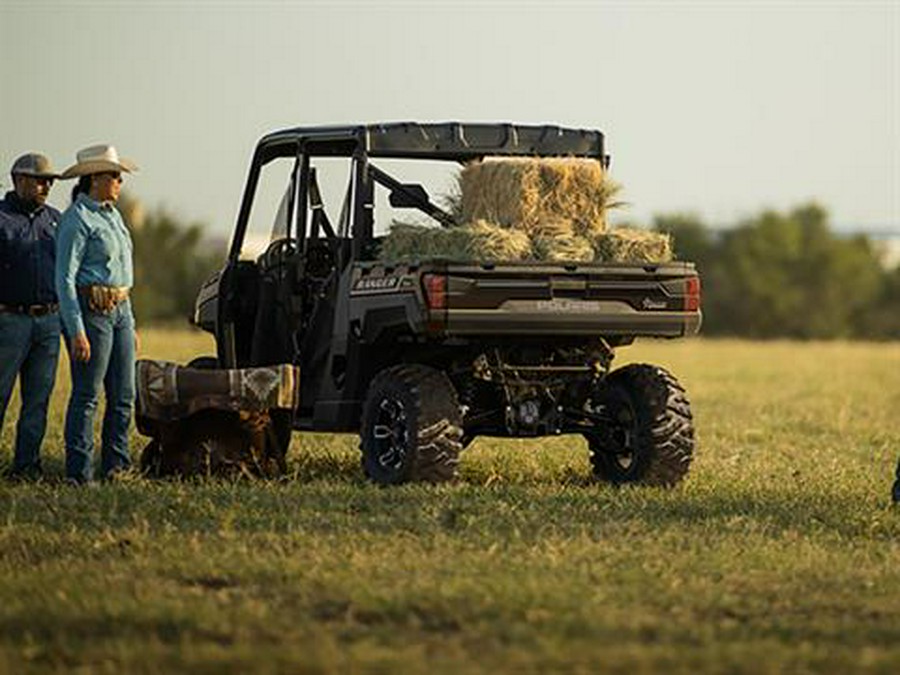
{"points": [[112, 175], [43, 180]]}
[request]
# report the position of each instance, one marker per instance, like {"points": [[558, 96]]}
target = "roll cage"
{"points": [[448, 141]]}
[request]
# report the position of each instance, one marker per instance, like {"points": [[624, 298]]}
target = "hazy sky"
{"points": [[721, 108]]}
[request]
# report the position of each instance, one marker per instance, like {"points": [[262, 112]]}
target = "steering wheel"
{"points": [[277, 254]]}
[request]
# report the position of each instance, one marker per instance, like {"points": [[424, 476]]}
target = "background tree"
{"points": [[691, 238], [787, 275], [171, 262], [882, 320]]}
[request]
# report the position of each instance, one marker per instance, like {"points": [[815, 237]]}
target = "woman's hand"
{"points": [[81, 348]]}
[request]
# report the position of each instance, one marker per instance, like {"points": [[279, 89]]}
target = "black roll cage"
{"points": [[450, 141]]}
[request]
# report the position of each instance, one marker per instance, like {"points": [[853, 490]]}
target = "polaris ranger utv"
{"points": [[421, 357]]}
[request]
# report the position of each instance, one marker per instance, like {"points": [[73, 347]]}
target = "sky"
{"points": [[718, 108]]}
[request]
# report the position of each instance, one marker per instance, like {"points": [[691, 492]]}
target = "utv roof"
{"points": [[459, 141]]}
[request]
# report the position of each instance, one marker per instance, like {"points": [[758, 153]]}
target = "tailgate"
{"points": [[566, 299]]}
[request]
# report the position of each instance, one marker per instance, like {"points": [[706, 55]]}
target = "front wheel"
{"points": [[411, 427], [649, 433]]}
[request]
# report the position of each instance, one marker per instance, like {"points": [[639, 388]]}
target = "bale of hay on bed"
{"points": [[474, 241], [530, 193], [562, 248], [550, 229], [488, 241], [407, 242], [624, 244]]}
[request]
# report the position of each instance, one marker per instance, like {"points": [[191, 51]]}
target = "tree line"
{"points": [[788, 275], [172, 259], [774, 275]]}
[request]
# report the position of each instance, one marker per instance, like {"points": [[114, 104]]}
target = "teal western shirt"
{"points": [[93, 247]]}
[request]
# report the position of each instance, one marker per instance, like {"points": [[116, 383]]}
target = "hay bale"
{"points": [[630, 245], [533, 193], [562, 248], [544, 209], [486, 241], [408, 242], [474, 241], [548, 229], [492, 242]]}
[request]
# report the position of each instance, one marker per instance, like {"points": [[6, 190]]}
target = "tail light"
{"points": [[435, 290], [692, 294]]}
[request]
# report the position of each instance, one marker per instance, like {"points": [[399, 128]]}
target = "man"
{"points": [[29, 310]]}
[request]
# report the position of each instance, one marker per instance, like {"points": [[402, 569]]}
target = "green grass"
{"points": [[778, 554]]}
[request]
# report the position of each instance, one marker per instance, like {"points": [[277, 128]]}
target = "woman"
{"points": [[93, 278]]}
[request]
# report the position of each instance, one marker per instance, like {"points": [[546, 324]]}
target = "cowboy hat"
{"points": [[33, 164], [98, 159]]}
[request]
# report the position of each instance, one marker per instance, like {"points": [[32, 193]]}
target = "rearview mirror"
{"points": [[408, 195]]}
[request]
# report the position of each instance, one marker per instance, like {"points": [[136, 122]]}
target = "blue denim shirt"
{"points": [[27, 252], [93, 248]]}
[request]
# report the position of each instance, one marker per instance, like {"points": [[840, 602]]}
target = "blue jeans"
{"points": [[29, 350], [112, 367]]}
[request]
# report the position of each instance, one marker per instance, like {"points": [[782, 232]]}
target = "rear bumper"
{"points": [[638, 324]]}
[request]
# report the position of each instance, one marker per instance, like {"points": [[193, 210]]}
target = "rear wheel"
{"points": [[411, 427], [649, 437]]}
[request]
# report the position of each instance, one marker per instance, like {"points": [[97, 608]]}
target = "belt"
{"points": [[104, 299], [30, 310]]}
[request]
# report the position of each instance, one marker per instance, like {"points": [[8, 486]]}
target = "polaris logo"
{"points": [[562, 305]]}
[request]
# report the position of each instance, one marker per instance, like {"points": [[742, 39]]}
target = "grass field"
{"points": [[779, 554]]}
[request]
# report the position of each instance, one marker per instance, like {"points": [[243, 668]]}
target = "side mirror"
{"points": [[408, 195]]}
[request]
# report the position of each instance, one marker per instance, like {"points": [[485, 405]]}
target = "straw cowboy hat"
{"points": [[98, 159]]}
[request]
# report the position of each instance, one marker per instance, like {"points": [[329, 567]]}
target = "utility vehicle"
{"points": [[421, 357]]}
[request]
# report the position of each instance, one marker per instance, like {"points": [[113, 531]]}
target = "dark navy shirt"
{"points": [[27, 252]]}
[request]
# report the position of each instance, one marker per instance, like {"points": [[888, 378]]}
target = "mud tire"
{"points": [[411, 427], [653, 435]]}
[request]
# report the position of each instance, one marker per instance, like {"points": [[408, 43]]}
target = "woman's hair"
{"points": [[83, 185]]}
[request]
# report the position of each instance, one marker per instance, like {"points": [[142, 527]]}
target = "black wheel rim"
{"points": [[620, 444], [623, 453], [390, 434]]}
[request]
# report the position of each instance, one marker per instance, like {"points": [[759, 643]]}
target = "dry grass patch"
{"points": [[777, 555]]}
